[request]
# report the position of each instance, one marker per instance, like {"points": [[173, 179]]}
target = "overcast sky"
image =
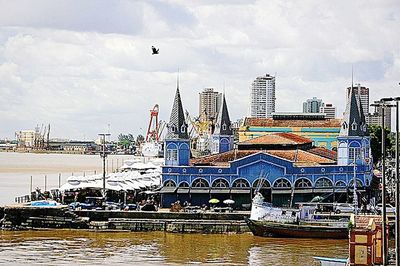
{"points": [[81, 65]]}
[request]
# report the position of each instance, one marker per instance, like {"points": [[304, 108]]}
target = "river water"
{"points": [[75, 247]]}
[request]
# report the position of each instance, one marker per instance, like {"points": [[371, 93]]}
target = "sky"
{"points": [[86, 67]]}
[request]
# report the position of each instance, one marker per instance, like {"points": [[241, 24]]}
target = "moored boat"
{"points": [[266, 220], [301, 230]]}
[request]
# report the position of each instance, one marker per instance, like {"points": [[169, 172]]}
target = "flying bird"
{"points": [[155, 51]]}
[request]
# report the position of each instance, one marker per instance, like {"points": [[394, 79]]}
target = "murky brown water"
{"points": [[16, 170], [158, 248], [64, 247]]}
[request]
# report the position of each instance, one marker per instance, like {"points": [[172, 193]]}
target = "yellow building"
{"points": [[25, 138], [322, 131]]}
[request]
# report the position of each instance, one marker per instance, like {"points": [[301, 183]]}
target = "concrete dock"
{"points": [[28, 218]]}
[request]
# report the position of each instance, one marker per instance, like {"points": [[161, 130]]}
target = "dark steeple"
{"points": [[353, 123], [223, 124], [177, 127]]}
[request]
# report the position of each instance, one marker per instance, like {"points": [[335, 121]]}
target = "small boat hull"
{"points": [[266, 228]]}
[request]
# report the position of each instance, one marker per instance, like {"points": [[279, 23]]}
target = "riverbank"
{"points": [[30, 218]]}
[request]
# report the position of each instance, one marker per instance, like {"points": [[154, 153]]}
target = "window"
{"points": [[169, 183], [354, 154], [354, 126], [183, 128], [282, 183], [358, 183], [340, 183], [220, 183], [184, 184], [224, 126], [302, 183], [172, 155], [264, 183], [200, 183], [241, 183], [323, 182]]}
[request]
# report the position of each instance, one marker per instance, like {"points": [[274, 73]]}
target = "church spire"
{"points": [[177, 127], [223, 124], [353, 123]]}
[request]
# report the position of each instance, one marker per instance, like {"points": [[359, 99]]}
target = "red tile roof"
{"points": [[269, 122], [278, 138], [299, 157], [324, 152]]}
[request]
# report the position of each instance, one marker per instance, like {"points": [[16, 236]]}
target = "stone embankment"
{"points": [[25, 218]]}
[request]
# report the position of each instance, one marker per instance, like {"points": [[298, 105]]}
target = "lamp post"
{"points": [[397, 188], [103, 155], [397, 182]]}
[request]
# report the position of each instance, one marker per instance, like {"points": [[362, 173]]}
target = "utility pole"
{"points": [[103, 155], [397, 188], [384, 233]]}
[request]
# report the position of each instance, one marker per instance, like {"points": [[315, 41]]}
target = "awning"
{"points": [[281, 191], [183, 190], [323, 190], [219, 190], [168, 189], [303, 191], [199, 190], [240, 191]]}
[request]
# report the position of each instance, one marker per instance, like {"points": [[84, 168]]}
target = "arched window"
{"points": [[241, 183], [282, 183], [358, 183], [340, 183], [169, 183], [264, 183], [323, 182], [200, 182], [223, 126], [302, 183], [220, 183], [184, 184], [183, 128]]}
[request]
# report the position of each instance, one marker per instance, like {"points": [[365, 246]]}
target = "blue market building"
{"points": [[286, 167]]}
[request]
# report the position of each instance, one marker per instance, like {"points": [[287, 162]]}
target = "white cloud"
{"points": [[83, 67]]}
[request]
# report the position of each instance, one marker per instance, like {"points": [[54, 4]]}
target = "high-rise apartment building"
{"points": [[363, 94], [312, 105], [376, 117], [262, 97], [209, 104], [329, 110]]}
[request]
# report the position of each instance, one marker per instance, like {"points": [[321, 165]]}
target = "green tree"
{"points": [[375, 133], [126, 140]]}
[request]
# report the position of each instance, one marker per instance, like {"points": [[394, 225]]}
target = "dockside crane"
{"points": [[152, 130]]}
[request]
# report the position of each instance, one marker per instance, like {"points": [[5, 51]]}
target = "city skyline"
{"points": [[84, 66]]}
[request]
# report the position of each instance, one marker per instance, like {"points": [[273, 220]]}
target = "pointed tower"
{"points": [[222, 138], [177, 140], [354, 142]]}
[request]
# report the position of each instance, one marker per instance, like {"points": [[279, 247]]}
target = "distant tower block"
{"points": [[152, 131]]}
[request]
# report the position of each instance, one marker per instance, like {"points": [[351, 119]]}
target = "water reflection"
{"points": [[83, 247]]}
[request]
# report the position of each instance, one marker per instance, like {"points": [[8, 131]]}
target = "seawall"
{"points": [[26, 218]]}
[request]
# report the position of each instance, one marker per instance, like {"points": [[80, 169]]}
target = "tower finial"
{"points": [[351, 76], [177, 80]]}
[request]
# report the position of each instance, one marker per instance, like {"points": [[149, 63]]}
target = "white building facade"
{"points": [[329, 110], [262, 97]]}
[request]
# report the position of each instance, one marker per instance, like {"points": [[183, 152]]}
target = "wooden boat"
{"points": [[266, 220], [300, 230]]}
